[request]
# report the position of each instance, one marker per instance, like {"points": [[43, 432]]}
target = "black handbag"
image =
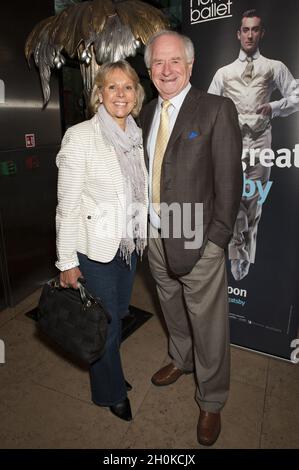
{"points": [[74, 319]]}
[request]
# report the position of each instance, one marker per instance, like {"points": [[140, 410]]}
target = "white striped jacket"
{"points": [[90, 210]]}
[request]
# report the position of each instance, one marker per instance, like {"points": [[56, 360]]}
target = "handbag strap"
{"points": [[86, 297], [84, 294]]}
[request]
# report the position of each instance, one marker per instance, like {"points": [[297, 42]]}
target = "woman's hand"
{"points": [[69, 278]]}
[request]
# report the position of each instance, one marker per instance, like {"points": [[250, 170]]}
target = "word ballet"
{"points": [[209, 10]]}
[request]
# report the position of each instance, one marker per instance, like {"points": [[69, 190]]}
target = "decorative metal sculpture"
{"points": [[94, 31]]}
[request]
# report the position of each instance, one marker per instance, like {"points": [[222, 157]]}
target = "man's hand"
{"points": [[69, 278], [265, 110]]}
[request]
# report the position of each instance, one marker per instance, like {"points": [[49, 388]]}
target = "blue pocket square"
{"points": [[192, 135]]}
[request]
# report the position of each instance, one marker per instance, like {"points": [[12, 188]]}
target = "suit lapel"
{"points": [[187, 111], [146, 126]]}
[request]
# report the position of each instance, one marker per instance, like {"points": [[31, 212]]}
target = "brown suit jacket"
{"points": [[202, 164]]}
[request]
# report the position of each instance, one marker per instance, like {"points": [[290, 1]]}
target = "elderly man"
{"points": [[193, 152]]}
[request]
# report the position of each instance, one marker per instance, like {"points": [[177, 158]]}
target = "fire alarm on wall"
{"points": [[30, 140]]}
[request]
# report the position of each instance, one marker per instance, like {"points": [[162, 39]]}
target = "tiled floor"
{"points": [[45, 400]]}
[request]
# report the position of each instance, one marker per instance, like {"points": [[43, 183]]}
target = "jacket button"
{"points": [[89, 216]]}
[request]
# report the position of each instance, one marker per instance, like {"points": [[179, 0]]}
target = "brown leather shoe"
{"points": [[167, 375], [208, 428]]}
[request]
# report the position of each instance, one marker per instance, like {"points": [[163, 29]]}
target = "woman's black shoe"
{"points": [[128, 386], [122, 410]]}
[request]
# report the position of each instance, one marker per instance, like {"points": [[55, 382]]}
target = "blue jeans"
{"points": [[113, 283]]}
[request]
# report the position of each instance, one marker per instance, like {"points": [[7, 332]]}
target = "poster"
{"points": [[263, 256]]}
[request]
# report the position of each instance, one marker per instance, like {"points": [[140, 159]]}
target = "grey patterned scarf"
{"points": [[127, 145]]}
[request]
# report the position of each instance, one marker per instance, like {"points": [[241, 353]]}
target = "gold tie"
{"points": [[161, 144], [248, 72]]}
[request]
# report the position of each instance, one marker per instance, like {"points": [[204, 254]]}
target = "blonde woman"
{"points": [[102, 214]]}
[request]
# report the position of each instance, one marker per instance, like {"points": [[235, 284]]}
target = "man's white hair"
{"points": [[188, 46]]}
